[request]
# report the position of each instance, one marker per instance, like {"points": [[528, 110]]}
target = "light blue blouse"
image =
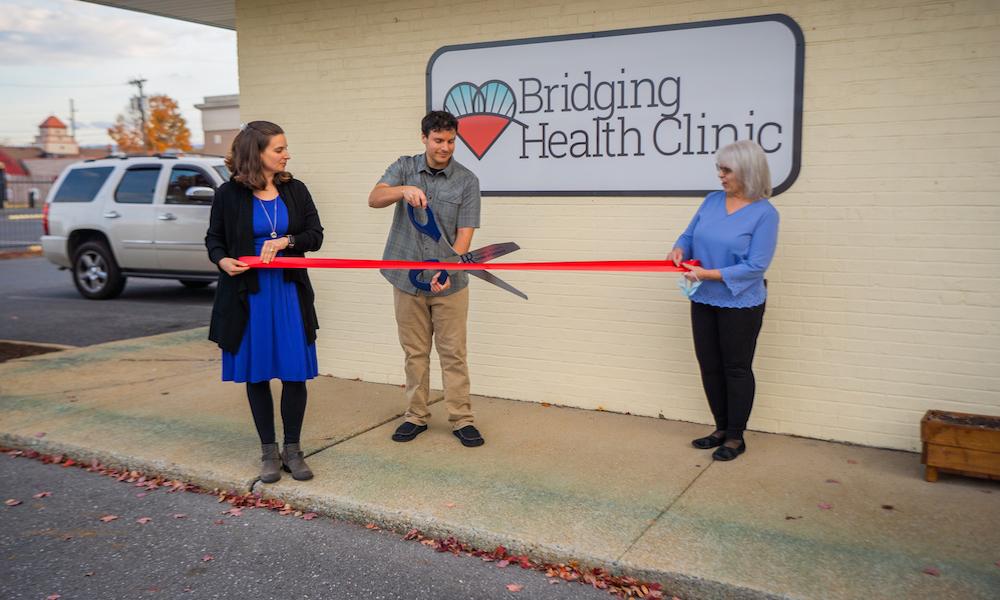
{"points": [[740, 245]]}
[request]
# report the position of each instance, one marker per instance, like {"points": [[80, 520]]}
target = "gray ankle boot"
{"points": [[291, 455], [270, 463]]}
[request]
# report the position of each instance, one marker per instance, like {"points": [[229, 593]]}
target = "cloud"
{"points": [[102, 125], [76, 32]]}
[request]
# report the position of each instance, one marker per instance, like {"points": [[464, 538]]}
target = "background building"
{"points": [[54, 140], [31, 170], [220, 121], [886, 286]]}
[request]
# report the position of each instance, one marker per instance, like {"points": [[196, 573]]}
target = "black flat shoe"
{"points": [[407, 431], [469, 436], [709, 441], [728, 453]]}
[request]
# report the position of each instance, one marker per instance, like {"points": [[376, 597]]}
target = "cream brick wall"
{"points": [[884, 292]]}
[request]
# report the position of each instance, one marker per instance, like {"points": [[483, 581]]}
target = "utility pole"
{"points": [[72, 117], [142, 110]]}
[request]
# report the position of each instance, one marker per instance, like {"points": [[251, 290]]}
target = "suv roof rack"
{"points": [[168, 154]]}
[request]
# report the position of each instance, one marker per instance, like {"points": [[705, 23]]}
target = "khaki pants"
{"points": [[443, 318]]}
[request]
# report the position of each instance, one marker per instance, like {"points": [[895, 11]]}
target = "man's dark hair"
{"points": [[438, 120]]}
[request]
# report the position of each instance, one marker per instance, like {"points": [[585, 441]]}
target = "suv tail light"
{"points": [[45, 219]]}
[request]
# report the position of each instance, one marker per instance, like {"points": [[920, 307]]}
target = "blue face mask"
{"points": [[688, 288]]}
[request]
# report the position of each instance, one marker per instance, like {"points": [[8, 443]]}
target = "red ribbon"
{"points": [[583, 265]]}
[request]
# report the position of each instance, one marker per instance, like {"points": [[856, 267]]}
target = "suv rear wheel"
{"points": [[95, 272]]}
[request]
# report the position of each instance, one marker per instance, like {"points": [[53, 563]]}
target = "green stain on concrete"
{"points": [[110, 424], [111, 351], [503, 489]]}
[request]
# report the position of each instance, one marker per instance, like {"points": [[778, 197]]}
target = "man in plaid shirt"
{"points": [[433, 179]]}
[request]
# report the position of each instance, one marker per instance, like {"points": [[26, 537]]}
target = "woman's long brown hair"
{"points": [[244, 156]]}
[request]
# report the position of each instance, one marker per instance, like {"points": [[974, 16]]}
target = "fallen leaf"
{"points": [[219, 522], [309, 516], [88, 574], [932, 571], [12, 502], [888, 507], [825, 505], [40, 434], [851, 461], [143, 520], [449, 504], [503, 563], [207, 558], [40, 495], [513, 587], [789, 518], [832, 481], [371, 526], [180, 516], [108, 518], [233, 512], [553, 581], [546, 404], [53, 597], [69, 462]]}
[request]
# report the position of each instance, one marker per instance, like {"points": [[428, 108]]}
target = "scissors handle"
{"points": [[430, 227], [422, 285]]}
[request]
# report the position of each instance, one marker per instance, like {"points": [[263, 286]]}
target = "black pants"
{"points": [[293, 409], [724, 342]]}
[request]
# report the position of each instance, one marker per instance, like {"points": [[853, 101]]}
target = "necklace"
{"points": [[274, 223]]}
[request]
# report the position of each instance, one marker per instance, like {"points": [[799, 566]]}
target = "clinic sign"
{"points": [[631, 112]]}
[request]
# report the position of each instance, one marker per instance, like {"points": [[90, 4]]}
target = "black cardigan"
{"points": [[230, 233]]}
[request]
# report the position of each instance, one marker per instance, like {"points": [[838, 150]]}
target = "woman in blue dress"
{"points": [[264, 320], [733, 234]]}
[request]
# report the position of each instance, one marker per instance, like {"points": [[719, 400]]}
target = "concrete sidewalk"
{"points": [[791, 518]]}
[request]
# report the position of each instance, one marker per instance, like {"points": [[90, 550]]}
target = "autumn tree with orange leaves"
{"points": [[166, 129]]}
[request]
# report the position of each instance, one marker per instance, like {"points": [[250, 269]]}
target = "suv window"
{"points": [[224, 171], [81, 185], [138, 185], [184, 177]]}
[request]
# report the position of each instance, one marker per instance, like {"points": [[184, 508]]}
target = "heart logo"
{"points": [[483, 112]]}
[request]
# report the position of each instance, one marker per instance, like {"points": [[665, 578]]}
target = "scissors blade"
{"points": [[500, 283], [484, 254]]}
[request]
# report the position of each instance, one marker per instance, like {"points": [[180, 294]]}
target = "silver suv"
{"points": [[113, 218]]}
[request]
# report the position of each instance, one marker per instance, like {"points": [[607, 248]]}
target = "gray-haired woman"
{"points": [[733, 234]]}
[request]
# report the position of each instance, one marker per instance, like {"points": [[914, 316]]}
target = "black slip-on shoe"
{"points": [[469, 436], [728, 453], [709, 441], [407, 431]]}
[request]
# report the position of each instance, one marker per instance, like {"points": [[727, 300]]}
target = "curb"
{"points": [[344, 509], [30, 251], [205, 480]]}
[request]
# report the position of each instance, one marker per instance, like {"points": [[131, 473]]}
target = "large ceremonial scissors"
{"points": [[484, 254]]}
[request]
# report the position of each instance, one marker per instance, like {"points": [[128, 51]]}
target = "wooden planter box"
{"points": [[960, 443]]}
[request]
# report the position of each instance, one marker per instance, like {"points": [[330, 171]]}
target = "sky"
{"points": [[55, 50]]}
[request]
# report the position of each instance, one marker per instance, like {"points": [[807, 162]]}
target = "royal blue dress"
{"points": [[274, 343]]}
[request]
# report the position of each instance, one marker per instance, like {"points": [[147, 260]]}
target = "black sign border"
{"points": [[800, 50]]}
